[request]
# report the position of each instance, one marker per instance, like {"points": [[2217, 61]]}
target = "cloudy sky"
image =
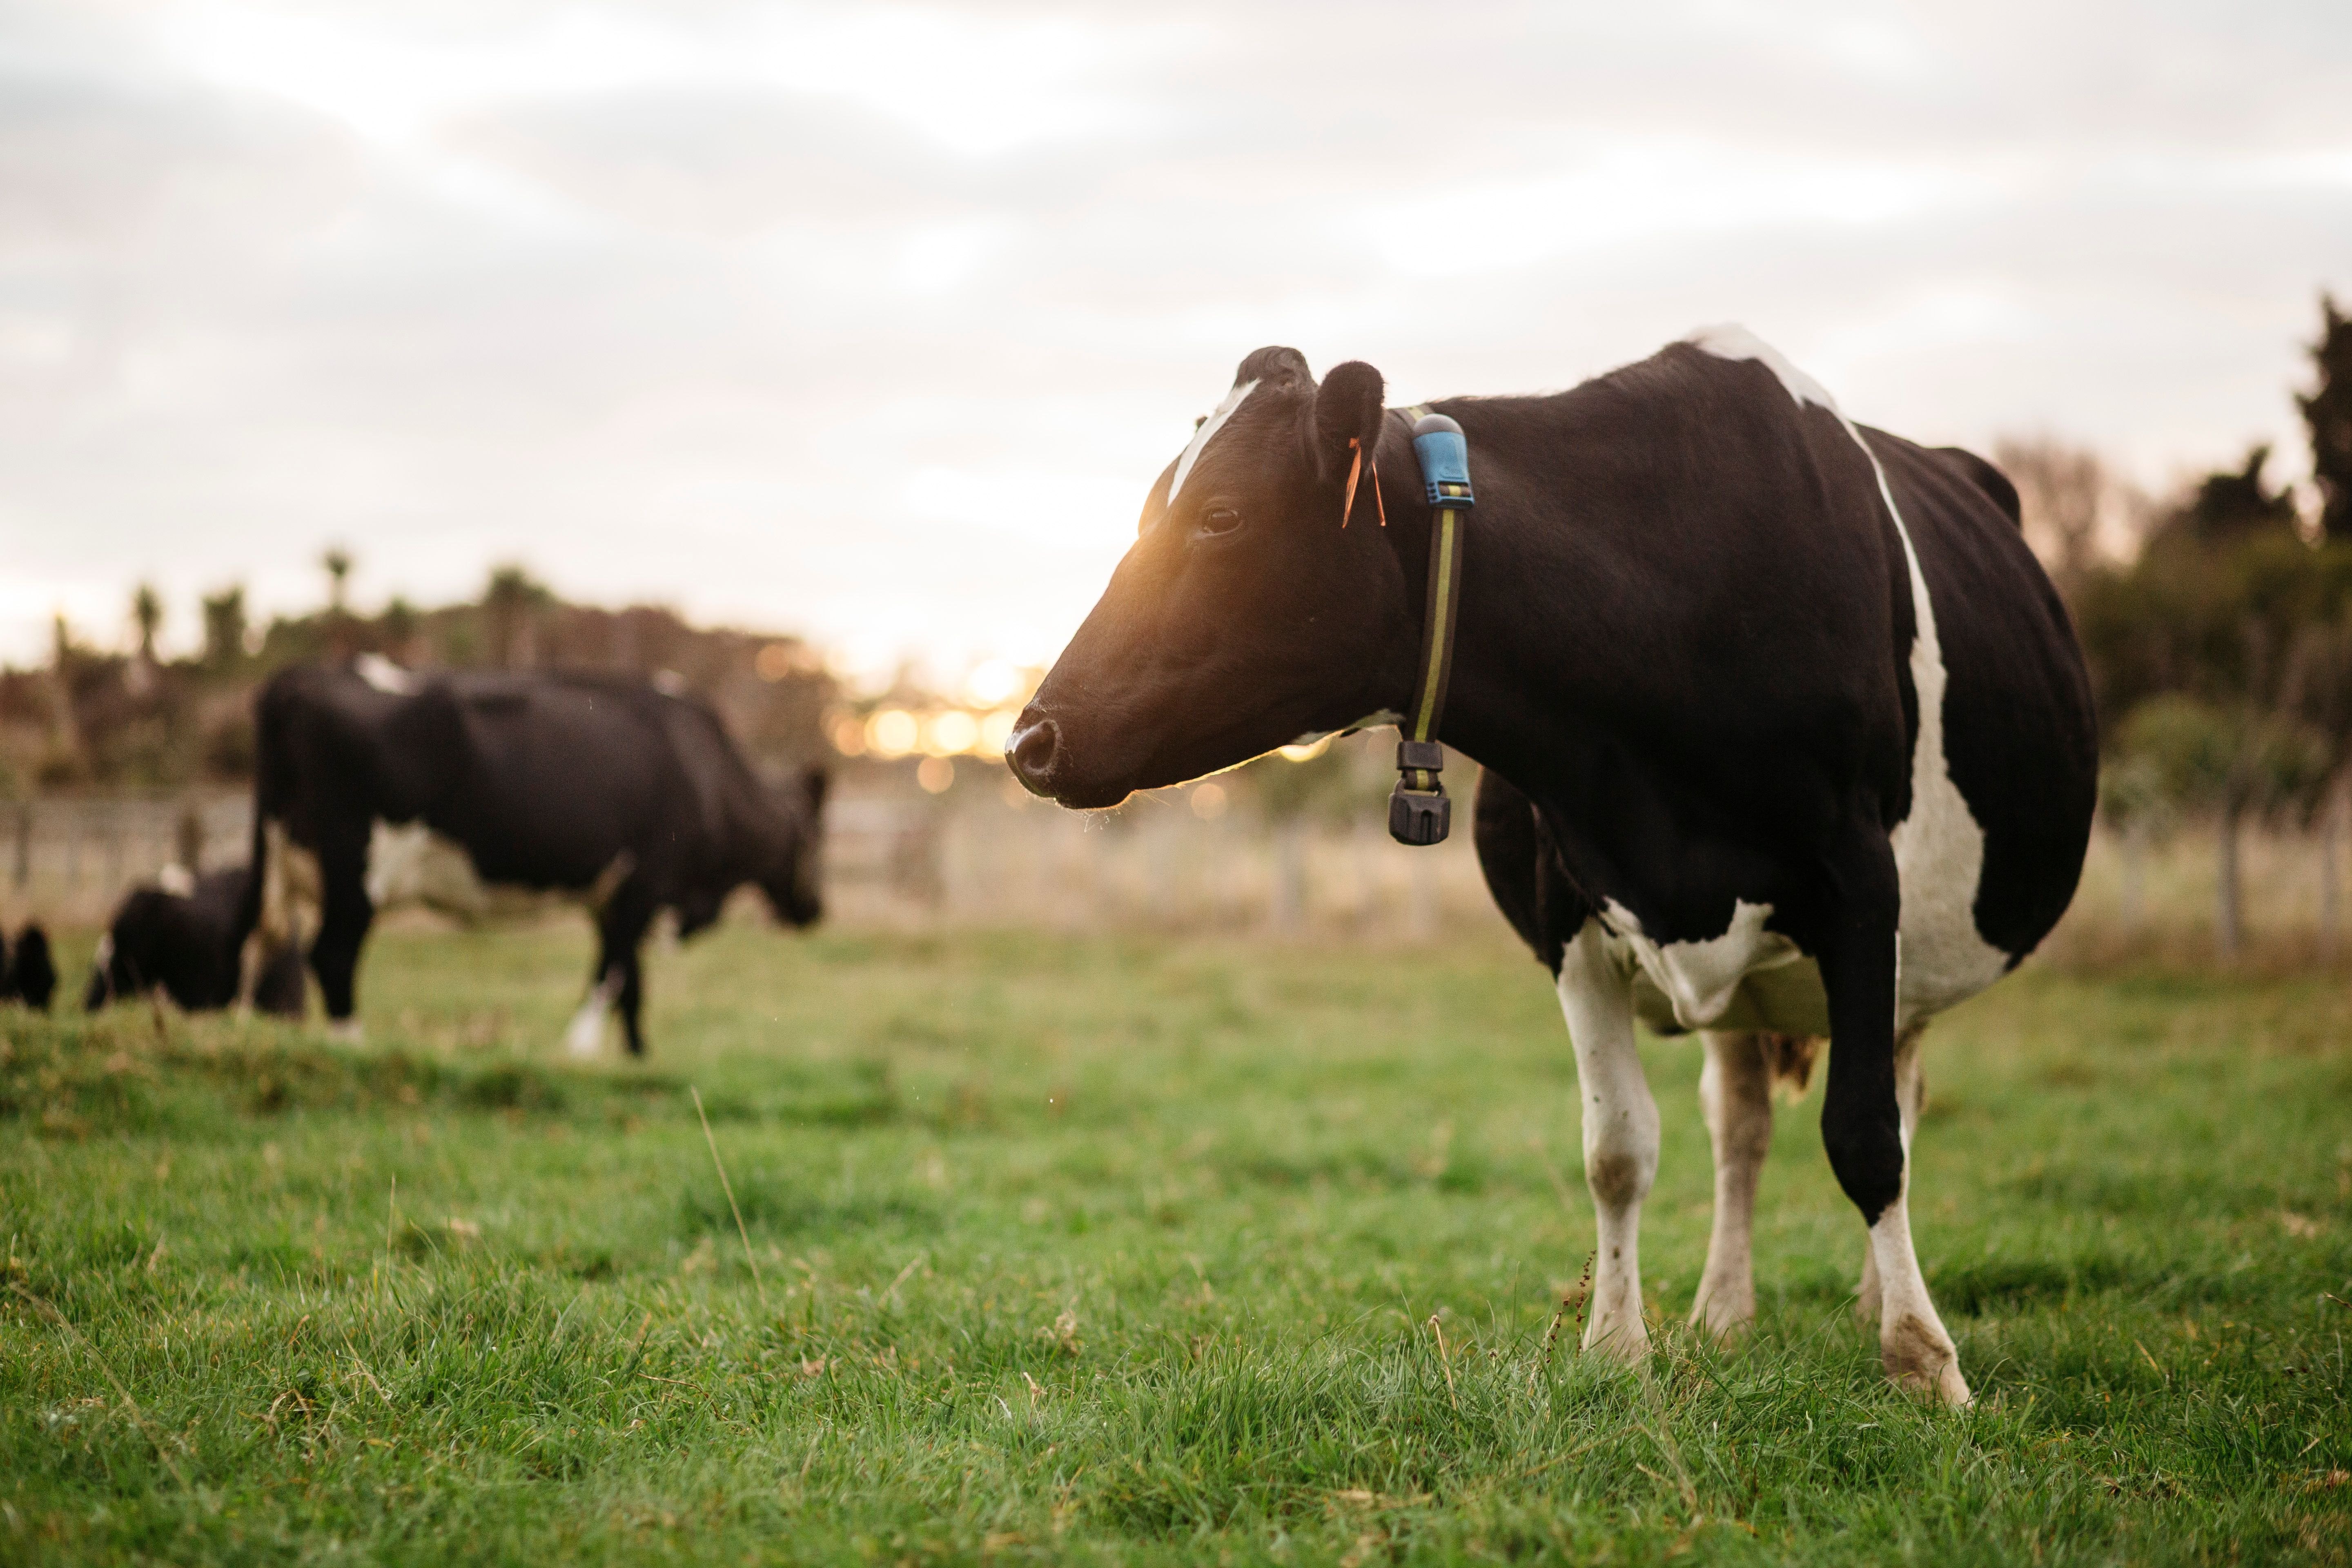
{"points": [[878, 320]]}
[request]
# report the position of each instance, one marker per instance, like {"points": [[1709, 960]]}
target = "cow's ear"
{"points": [[1347, 410]]}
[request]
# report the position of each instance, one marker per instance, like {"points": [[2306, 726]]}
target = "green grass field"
{"points": [[1109, 1250]]}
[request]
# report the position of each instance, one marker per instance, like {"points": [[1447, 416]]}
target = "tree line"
{"points": [[2218, 629], [93, 718]]}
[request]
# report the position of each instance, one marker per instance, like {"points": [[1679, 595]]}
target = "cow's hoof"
{"points": [[347, 1032], [1922, 1360], [582, 1042]]}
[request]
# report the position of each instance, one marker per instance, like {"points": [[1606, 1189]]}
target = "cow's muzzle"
{"points": [[1033, 752]]}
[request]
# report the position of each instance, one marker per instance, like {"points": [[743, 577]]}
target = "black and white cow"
{"points": [[27, 974], [374, 786], [178, 935], [1785, 732]]}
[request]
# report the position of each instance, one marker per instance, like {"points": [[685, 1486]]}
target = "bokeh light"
{"points": [[892, 732], [991, 682], [951, 732]]}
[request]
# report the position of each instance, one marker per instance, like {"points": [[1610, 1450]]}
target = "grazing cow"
{"points": [[374, 785], [27, 973], [1787, 733], [178, 935]]}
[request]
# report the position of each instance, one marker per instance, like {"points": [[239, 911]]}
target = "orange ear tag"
{"points": [[1354, 467]]}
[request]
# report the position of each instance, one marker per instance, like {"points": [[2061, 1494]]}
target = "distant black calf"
{"points": [[28, 976], [178, 934]]}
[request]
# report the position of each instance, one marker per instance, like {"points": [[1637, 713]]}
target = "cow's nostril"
{"points": [[1033, 749]]}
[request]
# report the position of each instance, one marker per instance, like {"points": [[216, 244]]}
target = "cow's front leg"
{"points": [[622, 922], [1621, 1136], [1862, 1123], [584, 1037], [345, 914], [1735, 1089]]}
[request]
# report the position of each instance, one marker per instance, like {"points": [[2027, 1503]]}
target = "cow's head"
{"points": [[1244, 616], [793, 880]]}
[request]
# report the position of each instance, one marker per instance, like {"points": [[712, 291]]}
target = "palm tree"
{"points": [[338, 563], [147, 610]]}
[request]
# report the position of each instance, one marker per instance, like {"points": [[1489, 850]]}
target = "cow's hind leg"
{"points": [[1621, 1136], [1861, 1122], [1735, 1089], [1910, 1086]]}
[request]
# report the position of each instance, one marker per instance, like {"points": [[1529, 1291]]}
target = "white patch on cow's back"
{"points": [[1942, 958], [1712, 983], [408, 863], [176, 879], [1730, 339], [385, 675], [1209, 427]]}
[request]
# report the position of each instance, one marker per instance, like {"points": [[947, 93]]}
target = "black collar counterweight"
{"points": [[1419, 812]]}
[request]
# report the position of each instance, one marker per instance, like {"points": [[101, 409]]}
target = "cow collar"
{"points": [[1419, 812]]}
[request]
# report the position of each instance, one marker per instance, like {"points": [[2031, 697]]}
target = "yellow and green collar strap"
{"points": [[1419, 812]]}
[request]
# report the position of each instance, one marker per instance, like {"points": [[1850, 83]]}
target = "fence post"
{"points": [[2229, 926]]}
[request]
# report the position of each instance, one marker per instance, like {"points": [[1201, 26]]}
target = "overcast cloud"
{"points": [[878, 321]]}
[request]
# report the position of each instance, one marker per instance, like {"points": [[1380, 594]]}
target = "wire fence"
{"points": [[892, 860]]}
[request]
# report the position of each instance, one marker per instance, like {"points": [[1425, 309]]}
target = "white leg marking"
{"points": [[585, 1038], [1735, 1089], [1912, 1342], [1620, 1135], [1909, 1086], [347, 1032]]}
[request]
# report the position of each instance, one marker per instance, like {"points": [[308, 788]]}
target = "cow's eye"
{"points": [[1217, 522]]}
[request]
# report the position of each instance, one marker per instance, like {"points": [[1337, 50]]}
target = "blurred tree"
{"points": [[2228, 506], [224, 630], [2065, 493], [397, 629], [338, 563], [513, 603], [147, 611], [2329, 414]]}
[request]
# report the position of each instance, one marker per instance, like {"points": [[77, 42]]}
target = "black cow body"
{"points": [[379, 786], [1784, 730], [178, 935], [27, 974]]}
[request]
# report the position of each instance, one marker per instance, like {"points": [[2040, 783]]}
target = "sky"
{"points": [[876, 321]]}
